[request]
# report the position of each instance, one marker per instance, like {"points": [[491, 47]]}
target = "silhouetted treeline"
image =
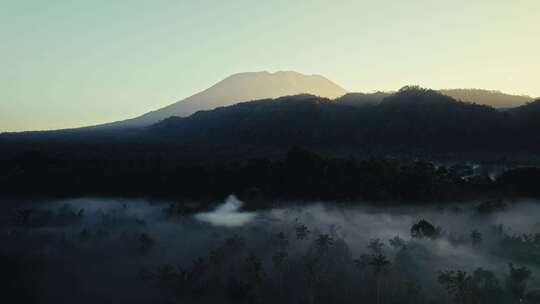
{"points": [[300, 174], [413, 119], [240, 149]]}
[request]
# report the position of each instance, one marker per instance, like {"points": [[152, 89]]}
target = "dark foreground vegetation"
{"points": [[411, 120], [326, 272], [300, 175], [124, 253], [387, 153], [363, 150]]}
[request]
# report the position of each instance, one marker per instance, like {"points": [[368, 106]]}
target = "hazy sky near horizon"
{"points": [[74, 63]]}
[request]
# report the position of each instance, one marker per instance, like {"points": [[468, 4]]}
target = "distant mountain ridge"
{"points": [[362, 99], [250, 86], [495, 99], [238, 88], [411, 119]]}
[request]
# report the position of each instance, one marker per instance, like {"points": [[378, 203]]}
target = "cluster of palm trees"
{"points": [[484, 287], [303, 265]]}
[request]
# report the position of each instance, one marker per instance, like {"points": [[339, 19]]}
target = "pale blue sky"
{"points": [[73, 63]]}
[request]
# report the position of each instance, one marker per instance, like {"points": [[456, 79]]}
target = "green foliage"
{"points": [[424, 229], [458, 284], [516, 281], [397, 242], [324, 242], [302, 232], [260, 149]]}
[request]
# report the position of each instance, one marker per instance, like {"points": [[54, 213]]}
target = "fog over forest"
{"points": [[88, 250]]}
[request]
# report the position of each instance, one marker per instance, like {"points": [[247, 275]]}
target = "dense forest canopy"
{"points": [[411, 119], [374, 151]]}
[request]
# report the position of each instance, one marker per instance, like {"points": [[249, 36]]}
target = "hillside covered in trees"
{"points": [[369, 152], [413, 119]]}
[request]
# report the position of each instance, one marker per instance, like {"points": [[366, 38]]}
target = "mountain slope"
{"points": [[362, 99], [413, 119], [241, 87], [495, 99], [305, 119]]}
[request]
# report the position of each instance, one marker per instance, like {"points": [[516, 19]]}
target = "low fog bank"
{"points": [[92, 250]]}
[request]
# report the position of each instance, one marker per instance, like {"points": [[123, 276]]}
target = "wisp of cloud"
{"points": [[227, 214]]}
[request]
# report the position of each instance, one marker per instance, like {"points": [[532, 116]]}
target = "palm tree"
{"points": [[302, 232], [280, 261], [324, 242], [458, 284], [397, 242], [362, 265], [22, 216], [256, 271], [486, 286], [476, 237], [313, 276], [516, 281], [425, 229], [379, 261], [376, 246], [381, 265]]}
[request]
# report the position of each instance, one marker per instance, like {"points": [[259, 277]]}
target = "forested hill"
{"points": [[236, 148], [411, 119], [492, 98]]}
